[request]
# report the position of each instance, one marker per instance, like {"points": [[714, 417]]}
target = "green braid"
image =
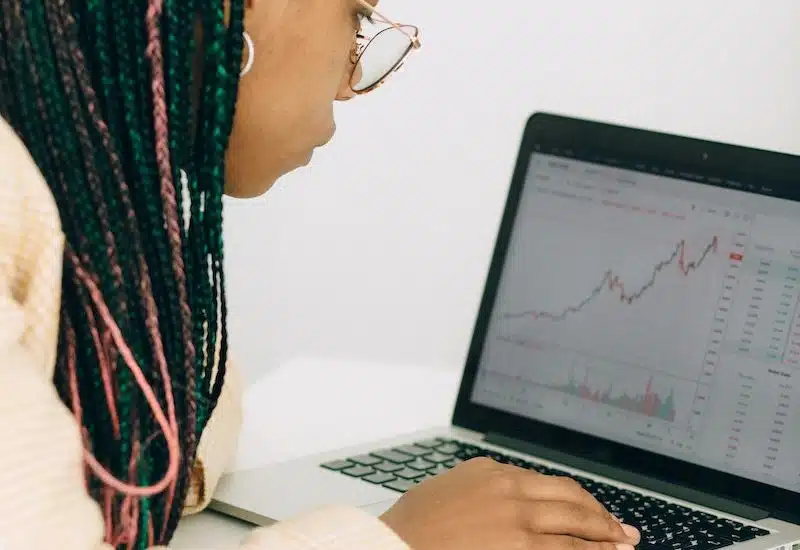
{"points": [[102, 92]]}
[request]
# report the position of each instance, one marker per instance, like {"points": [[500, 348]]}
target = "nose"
{"points": [[346, 92]]}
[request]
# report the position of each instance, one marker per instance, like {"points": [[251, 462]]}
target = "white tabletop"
{"points": [[287, 410]]}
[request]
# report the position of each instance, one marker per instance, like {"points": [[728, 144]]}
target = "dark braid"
{"points": [[102, 92]]}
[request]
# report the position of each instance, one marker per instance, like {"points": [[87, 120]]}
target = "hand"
{"points": [[484, 505]]}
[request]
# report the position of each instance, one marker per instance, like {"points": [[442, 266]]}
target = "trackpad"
{"points": [[378, 508]]}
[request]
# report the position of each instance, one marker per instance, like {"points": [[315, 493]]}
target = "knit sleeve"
{"points": [[217, 447], [43, 500], [44, 503]]}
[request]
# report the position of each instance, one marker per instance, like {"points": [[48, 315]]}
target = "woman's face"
{"points": [[301, 65]]}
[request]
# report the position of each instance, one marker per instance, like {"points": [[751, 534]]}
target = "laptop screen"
{"points": [[652, 310]]}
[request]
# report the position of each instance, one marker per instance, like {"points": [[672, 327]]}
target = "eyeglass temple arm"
{"points": [[385, 19]]}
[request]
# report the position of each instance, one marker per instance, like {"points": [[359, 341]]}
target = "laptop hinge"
{"points": [[652, 484]]}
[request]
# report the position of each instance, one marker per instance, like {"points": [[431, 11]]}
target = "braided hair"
{"points": [[127, 112]]}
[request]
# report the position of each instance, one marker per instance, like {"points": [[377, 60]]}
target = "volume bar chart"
{"points": [[647, 403]]}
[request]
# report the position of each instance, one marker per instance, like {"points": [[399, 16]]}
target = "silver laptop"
{"points": [[639, 332]]}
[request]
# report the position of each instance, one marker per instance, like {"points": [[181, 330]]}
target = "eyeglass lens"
{"points": [[381, 56]]}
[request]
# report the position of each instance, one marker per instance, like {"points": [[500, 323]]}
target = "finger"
{"points": [[535, 486], [567, 518], [564, 542]]}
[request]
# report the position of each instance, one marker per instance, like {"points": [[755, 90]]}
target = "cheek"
{"points": [[339, 66], [285, 107], [330, 81]]}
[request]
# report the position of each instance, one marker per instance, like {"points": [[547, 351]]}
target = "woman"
{"points": [[123, 123]]}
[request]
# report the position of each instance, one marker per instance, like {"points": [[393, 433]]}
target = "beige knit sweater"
{"points": [[43, 501]]}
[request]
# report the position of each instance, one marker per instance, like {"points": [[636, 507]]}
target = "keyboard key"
{"points": [[736, 535], [703, 516], [337, 465], [447, 448], [379, 478], [408, 473], [421, 464], [759, 532], [453, 462], [413, 450], [358, 471], [498, 457], [393, 456], [712, 541], [388, 467], [438, 457], [468, 451], [366, 460], [429, 443], [400, 485]]}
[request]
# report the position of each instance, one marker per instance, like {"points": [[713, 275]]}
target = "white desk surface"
{"points": [[287, 410]]}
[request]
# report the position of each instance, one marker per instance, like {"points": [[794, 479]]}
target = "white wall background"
{"points": [[378, 251]]}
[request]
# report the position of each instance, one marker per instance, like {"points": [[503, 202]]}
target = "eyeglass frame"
{"points": [[362, 43]]}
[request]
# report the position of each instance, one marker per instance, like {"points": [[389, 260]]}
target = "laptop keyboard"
{"points": [[664, 525]]}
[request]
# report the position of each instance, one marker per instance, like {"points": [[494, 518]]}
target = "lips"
{"points": [[330, 135]]}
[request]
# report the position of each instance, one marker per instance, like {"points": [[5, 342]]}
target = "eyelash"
{"points": [[363, 15]]}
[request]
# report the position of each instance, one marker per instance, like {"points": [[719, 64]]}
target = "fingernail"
{"points": [[631, 531], [624, 547]]}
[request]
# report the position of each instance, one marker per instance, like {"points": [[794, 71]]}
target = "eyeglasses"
{"points": [[375, 58]]}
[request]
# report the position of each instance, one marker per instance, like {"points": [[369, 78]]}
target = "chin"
{"points": [[321, 143]]}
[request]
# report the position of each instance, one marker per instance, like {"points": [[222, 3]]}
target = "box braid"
{"points": [[131, 139]]}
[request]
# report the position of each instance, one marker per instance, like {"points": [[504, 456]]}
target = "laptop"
{"points": [[639, 332]]}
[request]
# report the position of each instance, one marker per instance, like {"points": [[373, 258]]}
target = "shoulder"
{"points": [[31, 249], [25, 197]]}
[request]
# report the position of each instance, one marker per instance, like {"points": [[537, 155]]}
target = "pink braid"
{"points": [[105, 367], [171, 213], [168, 428]]}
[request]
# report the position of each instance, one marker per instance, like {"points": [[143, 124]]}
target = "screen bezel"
{"points": [[719, 164]]}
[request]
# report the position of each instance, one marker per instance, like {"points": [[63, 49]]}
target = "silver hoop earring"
{"points": [[251, 53]]}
